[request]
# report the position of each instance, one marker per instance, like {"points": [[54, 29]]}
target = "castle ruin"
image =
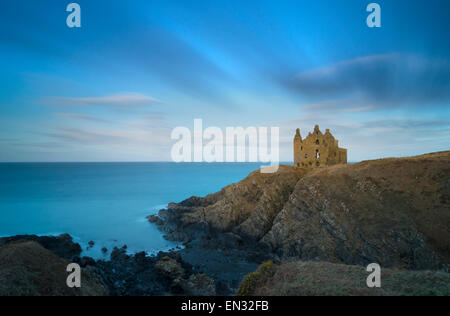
{"points": [[317, 150]]}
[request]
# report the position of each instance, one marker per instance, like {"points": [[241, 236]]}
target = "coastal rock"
{"points": [[86, 261], [154, 219], [196, 285], [119, 254], [142, 275], [170, 268], [199, 285]]}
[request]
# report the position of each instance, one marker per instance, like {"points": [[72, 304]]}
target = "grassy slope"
{"points": [[323, 279], [28, 269]]}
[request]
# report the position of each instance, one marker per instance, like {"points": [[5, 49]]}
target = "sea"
{"points": [[106, 203]]}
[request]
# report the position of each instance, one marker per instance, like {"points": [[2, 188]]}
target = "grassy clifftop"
{"points": [[322, 279]]}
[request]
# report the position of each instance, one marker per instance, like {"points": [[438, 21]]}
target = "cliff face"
{"points": [[246, 209], [395, 212]]}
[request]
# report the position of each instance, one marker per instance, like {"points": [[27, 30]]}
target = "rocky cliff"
{"points": [[395, 212], [245, 209]]}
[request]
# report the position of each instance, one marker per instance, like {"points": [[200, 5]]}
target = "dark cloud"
{"points": [[378, 81]]}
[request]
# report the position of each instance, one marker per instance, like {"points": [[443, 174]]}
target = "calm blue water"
{"points": [[103, 202]]}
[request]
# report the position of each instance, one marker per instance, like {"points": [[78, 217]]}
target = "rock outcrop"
{"points": [[395, 212], [199, 285], [62, 245], [142, 275], [170, 268], [242, 210]]}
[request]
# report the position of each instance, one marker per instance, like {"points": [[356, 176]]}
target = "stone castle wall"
{"points": [[318, 149]]}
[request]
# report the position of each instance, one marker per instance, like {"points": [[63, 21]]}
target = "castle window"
{"points": [[317, 142], [306, 155], [317, 154]]}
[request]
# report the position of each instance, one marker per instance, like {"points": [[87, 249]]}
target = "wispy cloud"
{"points": [[406, 124], [44, 145], [112, 136], [84, 136], [81, 116], [373, 126], [338, 106], [121, 100], [4, 140]]}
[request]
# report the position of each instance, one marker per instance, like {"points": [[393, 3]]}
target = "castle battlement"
{"points": [[318, 149]]}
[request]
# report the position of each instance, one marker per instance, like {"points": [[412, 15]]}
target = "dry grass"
{"points": [[328, 279], [28, 269]]}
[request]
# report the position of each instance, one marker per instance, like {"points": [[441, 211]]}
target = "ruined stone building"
{"points": [[317, 150]]}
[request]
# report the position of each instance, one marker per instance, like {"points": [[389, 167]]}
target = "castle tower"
{"points": [[297, 143], [317, 150]]}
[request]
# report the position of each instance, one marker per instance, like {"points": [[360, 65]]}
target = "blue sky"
{"points": [[114, 89]]}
